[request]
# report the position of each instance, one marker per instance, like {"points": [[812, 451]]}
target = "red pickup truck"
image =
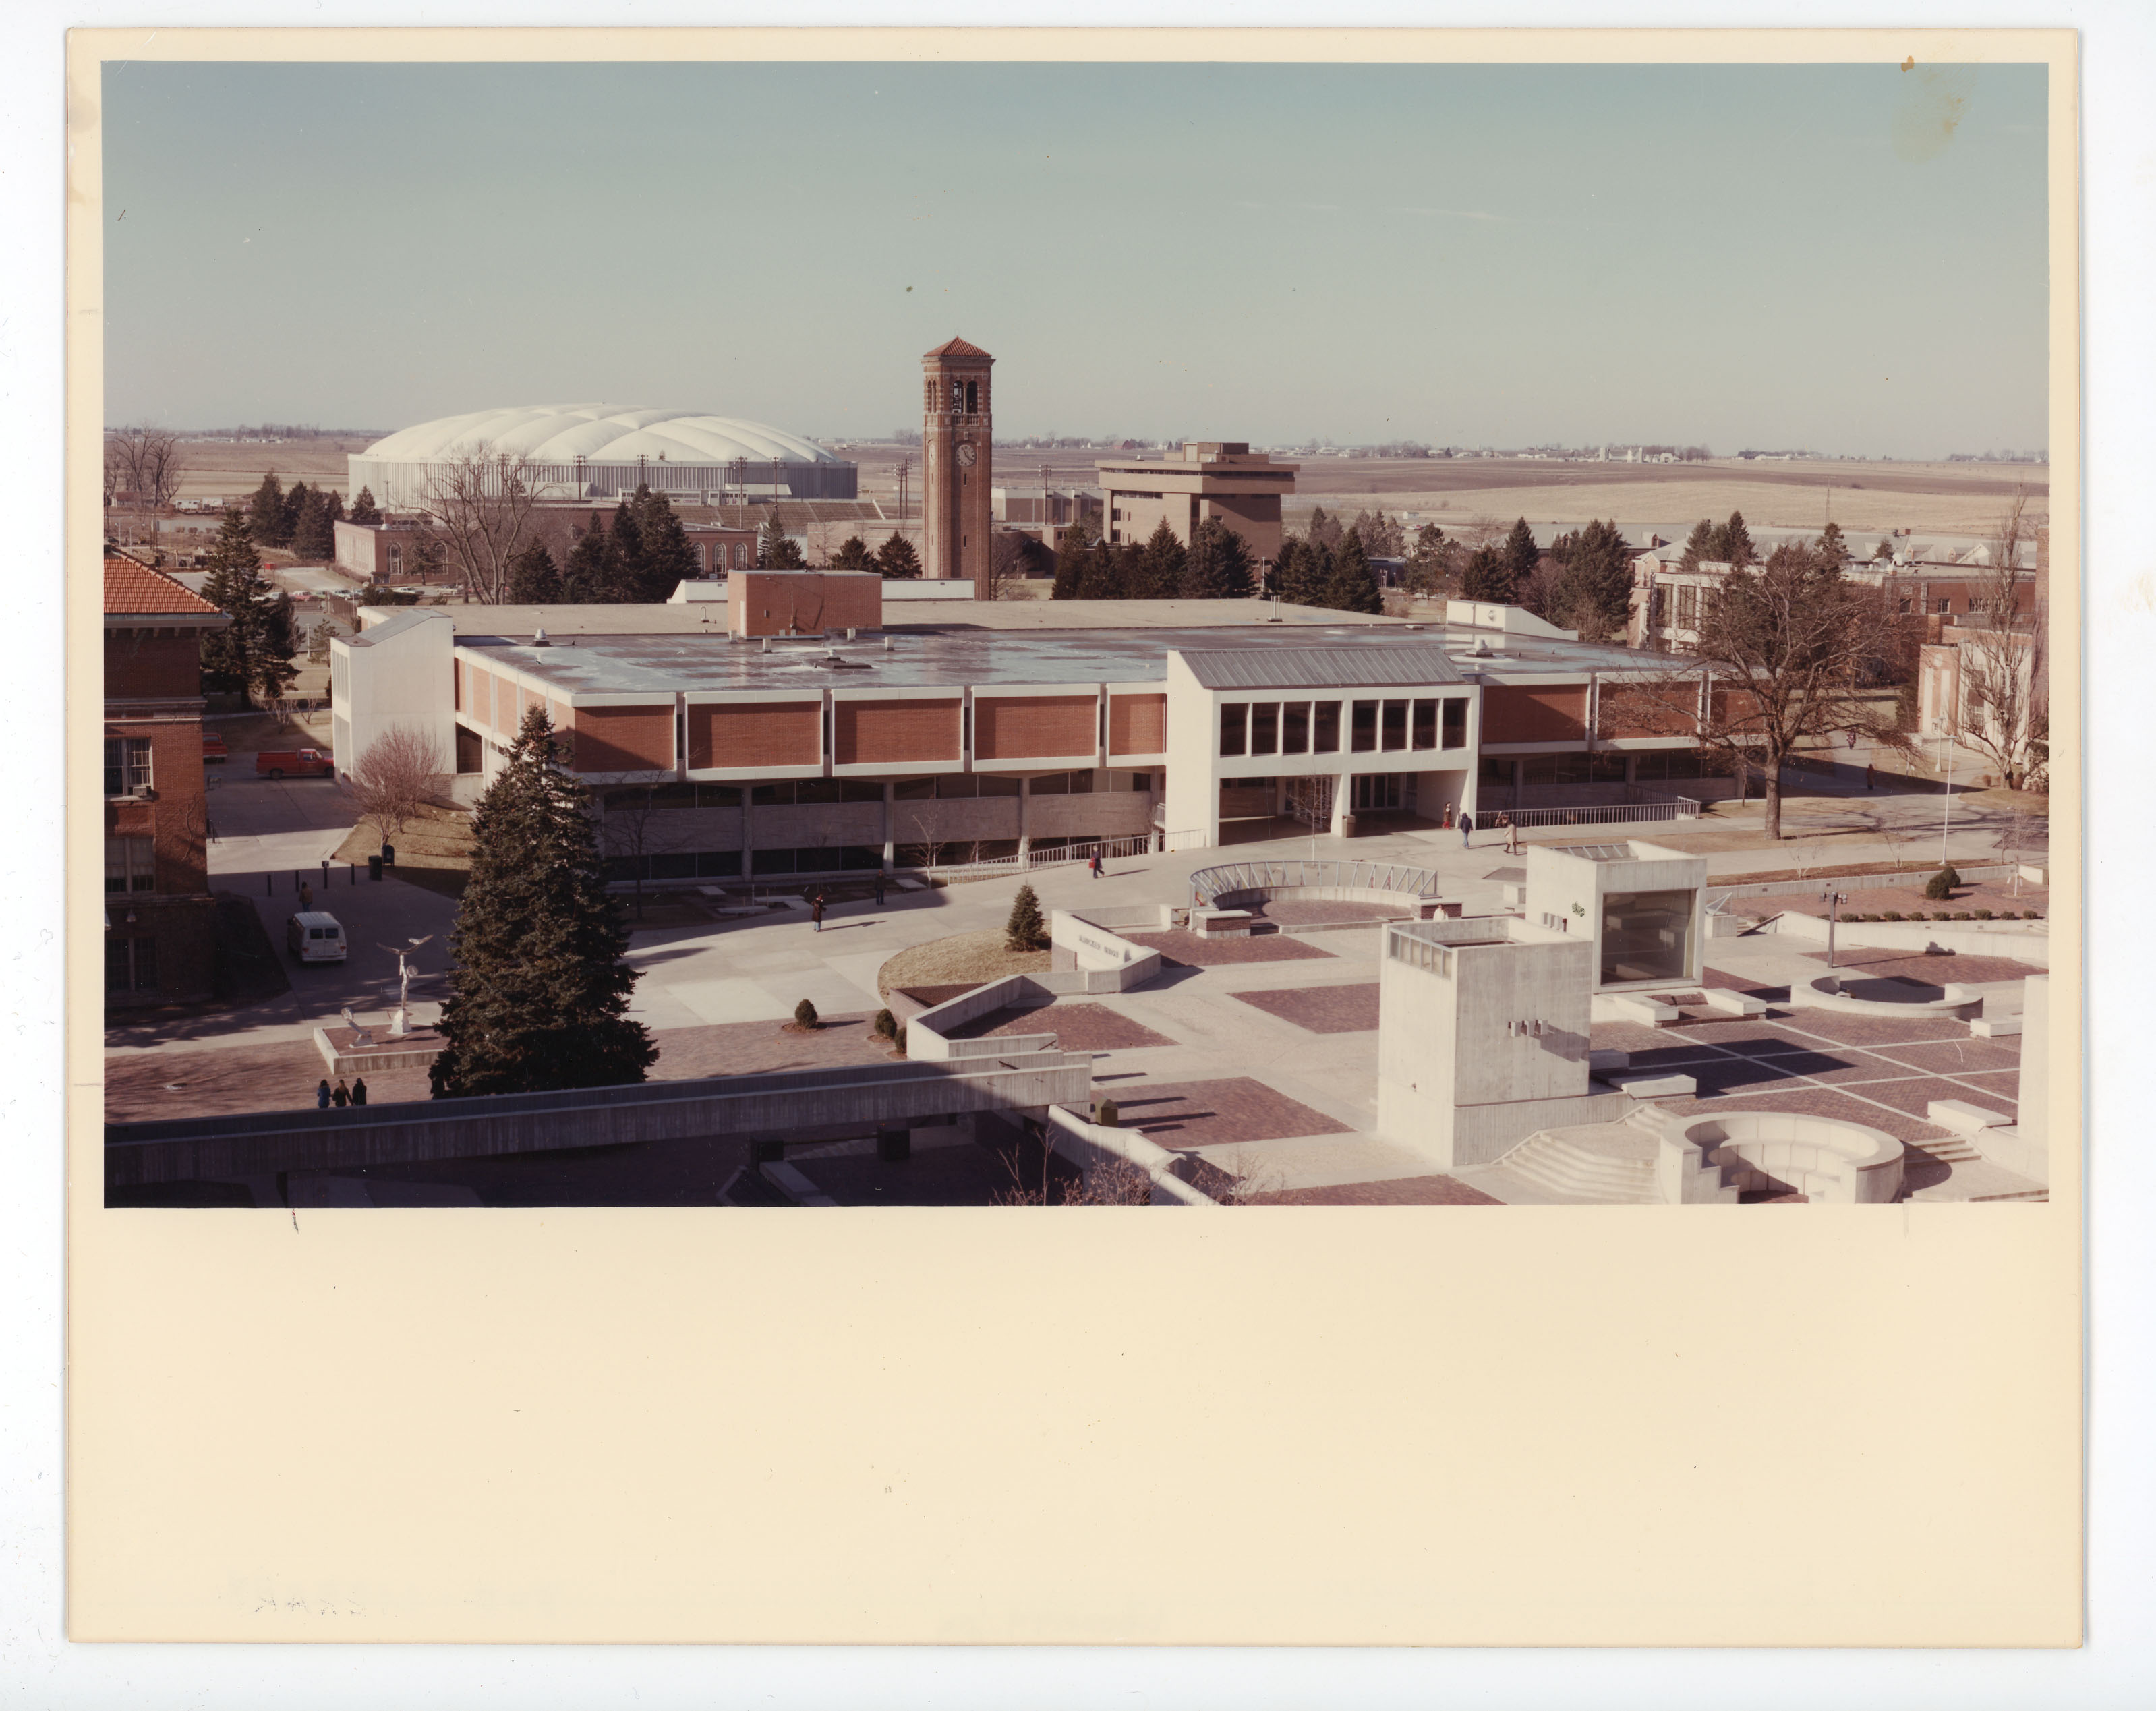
{"points": [[214, 753], [299, 762]]}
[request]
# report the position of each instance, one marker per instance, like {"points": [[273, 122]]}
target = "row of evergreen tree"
{"points": [[1215, 565], [304, 519]]}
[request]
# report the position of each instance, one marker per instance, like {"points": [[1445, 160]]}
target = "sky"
{"points": [[1773, 257]]}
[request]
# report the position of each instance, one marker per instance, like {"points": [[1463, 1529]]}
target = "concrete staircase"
{"points": [[1951, 1149], [1567, 1171]]}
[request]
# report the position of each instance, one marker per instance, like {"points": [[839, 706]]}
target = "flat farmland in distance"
{"points": [[214, 469]]}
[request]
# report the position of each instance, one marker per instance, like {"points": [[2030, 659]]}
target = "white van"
{"points": [[313, 936]]}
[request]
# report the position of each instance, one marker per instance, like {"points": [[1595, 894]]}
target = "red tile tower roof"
{"points": [[957, 347], [131, 588]]}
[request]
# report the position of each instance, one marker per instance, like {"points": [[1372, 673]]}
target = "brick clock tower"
{"points": [[957, 463]]}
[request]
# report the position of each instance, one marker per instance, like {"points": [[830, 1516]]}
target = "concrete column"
{"points": [[1632, 770], [747, 834], [1343, 804], [890, 851], [1519, 780], [1024, 832]]}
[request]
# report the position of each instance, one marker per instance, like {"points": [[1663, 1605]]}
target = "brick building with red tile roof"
{"points": [[159, 938]]}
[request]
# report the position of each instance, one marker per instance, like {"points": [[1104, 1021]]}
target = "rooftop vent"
{"points": [[539, 638]]}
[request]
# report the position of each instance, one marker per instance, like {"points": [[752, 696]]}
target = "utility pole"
{"points": [[1946, 821]]}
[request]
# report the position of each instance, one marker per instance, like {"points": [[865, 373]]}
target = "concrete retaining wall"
{"points": [[1086, 944], [1826, 993], [1089, 1146], [895, 1095]]}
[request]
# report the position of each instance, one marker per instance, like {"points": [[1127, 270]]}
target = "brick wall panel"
{"points": [[1033, 726], [894, 733], [624, 739], [1137, 724], [749, 734], [1523, 713]]}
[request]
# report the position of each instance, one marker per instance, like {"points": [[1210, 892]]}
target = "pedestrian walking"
{"points": [[306, 896], [1867, 775], [1448, 816], [1093, 866], [816, 911], [340, 1095], [1511, 833], [359, 1090], [1467, 829], [879, 888], [322, 1095]]}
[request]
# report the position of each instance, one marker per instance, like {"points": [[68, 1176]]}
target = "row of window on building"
{"points": [[1313, 728], [1603, 766], [808, 792], [833, 860]]}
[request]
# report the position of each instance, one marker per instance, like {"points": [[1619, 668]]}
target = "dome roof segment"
{"points": [[608, 434]]}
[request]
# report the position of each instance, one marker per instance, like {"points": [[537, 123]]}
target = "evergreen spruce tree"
{"points": [[1099, 576], [1302, 572], [295, 502], [1885, 549], [584, 577], [1698, 545], [1732, 543], [896, 557], [539, 994], [666, 559], [1220, 564], [534, 580], [1521, 553], [776, 550], [1324, 531], [333, 509], [1073, 547], [1424, 573], [622, 574], [255, 650], [265, 512], [1487, 577], [313, 537], [853, 554], [1352, 586], [1158, 573], [364, 508], [1832, 549], [1596, 595], [1025, 930]]}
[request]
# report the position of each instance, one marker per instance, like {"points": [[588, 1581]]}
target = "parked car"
{"points": [[299, 762], [315, 936], [214, 753]]}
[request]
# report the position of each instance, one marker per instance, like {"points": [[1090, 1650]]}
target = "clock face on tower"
{"points": [[965, 456]]}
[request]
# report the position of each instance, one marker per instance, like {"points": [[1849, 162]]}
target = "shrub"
{"points": [[885, 1024], [1893, 915], [898, 1040], [1106, 1115], [1025, 931], [804, 1015], [1983, 914]]}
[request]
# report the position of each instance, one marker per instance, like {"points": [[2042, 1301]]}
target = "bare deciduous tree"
{"points": [[479, 502], [1008, 557], [398, 778], [1783, 652], [146, 463], [2003, 712]]}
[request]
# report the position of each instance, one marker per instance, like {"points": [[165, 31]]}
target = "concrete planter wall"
{"points": [[1828, 1162], [1089, 1147], [1973, 937], [1826, 994]]}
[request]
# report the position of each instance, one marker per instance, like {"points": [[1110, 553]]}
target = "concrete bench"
{"points": [[1993, 1027], [1735, 1004], [1964, 1119], [1222, 923], [1650, 1010], [1666, 1086]]}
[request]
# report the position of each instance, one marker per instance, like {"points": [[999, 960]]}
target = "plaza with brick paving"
{"points": [[1257, 1054]]}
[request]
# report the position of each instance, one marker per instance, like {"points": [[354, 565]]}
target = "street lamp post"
{"points": [[1833, 900]]}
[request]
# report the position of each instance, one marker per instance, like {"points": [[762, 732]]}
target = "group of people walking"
{"points": [[340, 1096], [1499, 821]]}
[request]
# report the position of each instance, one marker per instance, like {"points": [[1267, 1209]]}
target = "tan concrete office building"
{"points": [[1211, 478]]}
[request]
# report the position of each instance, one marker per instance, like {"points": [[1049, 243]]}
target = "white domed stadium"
{"points": [[599, 451]]}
